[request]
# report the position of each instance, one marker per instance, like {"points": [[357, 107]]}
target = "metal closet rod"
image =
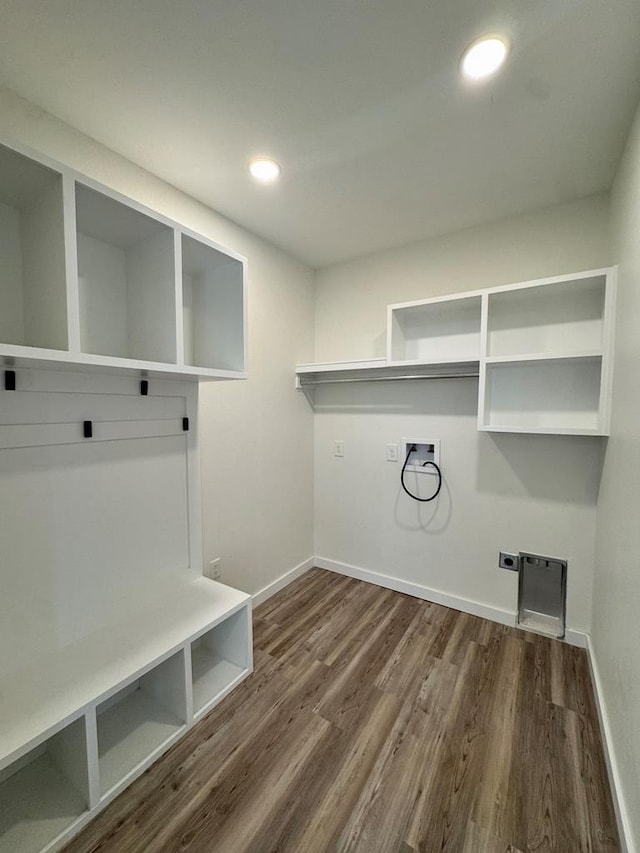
{"points": [[307, 384]]}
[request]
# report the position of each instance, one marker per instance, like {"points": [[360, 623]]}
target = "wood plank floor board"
{"points": [[378, 723]]}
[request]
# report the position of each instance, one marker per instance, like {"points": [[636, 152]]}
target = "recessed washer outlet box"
{"points": [[427, 450]]}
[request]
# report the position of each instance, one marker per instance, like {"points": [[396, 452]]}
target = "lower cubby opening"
{"points": [[43, 793], [138, 720], [218, 659]]}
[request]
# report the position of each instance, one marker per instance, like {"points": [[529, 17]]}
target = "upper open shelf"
{"points": [[92, 279], [213, 307], [126, 280], [555, 318], [437, 330]]}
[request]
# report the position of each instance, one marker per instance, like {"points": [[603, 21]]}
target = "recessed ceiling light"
{"points": [[483, 57], [264, 169]]}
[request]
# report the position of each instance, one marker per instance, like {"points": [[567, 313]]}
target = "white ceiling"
{"points": [[360, 101]]}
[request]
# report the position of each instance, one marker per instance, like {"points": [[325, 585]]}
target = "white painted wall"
{"points": [[256, 436], [617, 579], [351, 298], [534, 493]]}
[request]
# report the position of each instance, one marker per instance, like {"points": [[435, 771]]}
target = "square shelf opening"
{"points": [[218, 659], [561, 317], [213, 303], [33, 287], [126, 280], [439, 331], [138, 720], [43, 793], [562, 394]]}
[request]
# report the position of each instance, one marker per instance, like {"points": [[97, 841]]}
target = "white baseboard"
{"points": [[284, 580], [622, 815], [466, 605], [576, 638]]}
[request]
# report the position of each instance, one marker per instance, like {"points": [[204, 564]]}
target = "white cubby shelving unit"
{"points": [[91, 278], [112, 643], [547, 362], [84, 721], [542, 351]]}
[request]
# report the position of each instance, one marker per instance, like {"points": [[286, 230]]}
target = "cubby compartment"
{"points": [[33, 289], [139, 719], [126, 280], [43, 793], [213, 304], [437, 331], [219, 658], [544, 395], [561, 317]]}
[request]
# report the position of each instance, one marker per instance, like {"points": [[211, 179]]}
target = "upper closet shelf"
{"points": [[92, 279]]}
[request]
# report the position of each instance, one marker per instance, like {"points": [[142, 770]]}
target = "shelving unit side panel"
{"points": [[396, 344], [606, 381], [178, 308], [484, 343], [44, 271], [194, 490], [165, 683], [151, 321], [187, 310], [71, 262], [218, 332], [102, 290], [68, 751], [11, 303]]}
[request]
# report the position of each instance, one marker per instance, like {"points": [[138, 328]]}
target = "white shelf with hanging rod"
{"points": [[542, 351]]}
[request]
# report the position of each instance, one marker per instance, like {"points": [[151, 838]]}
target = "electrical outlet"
{"points": [[338, 447], [214, 571], [509, 561], [392, 452]]}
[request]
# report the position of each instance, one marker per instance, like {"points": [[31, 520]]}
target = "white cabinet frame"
{"points": [[224, 307]]}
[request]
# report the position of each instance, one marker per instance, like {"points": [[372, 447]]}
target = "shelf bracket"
{"points": [[185, 424], [144, 387], [87, 429]]}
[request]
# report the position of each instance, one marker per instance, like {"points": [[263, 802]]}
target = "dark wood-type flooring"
{"points": [[379, 723]]}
